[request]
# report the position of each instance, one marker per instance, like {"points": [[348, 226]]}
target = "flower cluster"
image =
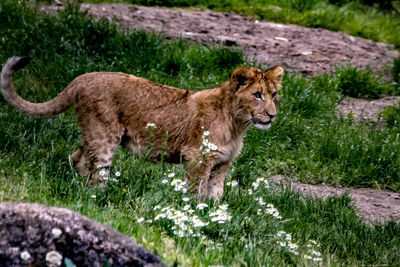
{"points": [[207, 146], [312, 253], [184, 222], [105, 176], [232, 183], [259, 181], [285, 241], [273, 211], [178, 185], [221, 215]]}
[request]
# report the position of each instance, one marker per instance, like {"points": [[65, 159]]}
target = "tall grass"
{"points": [[308, 141]]}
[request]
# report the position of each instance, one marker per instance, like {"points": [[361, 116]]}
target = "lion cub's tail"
{"points": [[64, 100]]}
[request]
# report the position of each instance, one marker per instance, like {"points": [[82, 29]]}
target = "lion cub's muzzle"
{"points": [[263, 121]]}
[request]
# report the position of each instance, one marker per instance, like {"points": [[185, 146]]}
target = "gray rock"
{"points": [[37, 235]]}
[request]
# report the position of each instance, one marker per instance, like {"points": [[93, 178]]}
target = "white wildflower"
{"points": [[117, 174], [185, 199], [220, 215], [171, 174], [186, 207], [141, 219], [93, 196], [232, 183], [151, 125], [165, 181], [102, 172]]}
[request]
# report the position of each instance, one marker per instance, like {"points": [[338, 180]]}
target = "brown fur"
{"points": [[114, 108]]}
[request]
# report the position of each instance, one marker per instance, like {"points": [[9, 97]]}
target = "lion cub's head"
{"points": [[256, 94]]}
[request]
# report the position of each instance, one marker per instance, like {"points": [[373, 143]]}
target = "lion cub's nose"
{"points": [[271, 116]]}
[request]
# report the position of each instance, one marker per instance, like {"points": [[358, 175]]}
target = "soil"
{"points": [[297, 49], [375, 206]]}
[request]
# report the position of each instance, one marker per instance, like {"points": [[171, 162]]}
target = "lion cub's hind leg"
{"points": [[94, 158], [80, 160]]}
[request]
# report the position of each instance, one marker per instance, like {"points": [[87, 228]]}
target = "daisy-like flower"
{"points": [[260, 201], [157, 207], [151, 125], [102, 172], [178, 185], [220, 215], [308, 257], [185, 199], [141, 219], [201, 206], [186, 207], [117, 174], [232, 183], [191, 211], [207, 146], [164, 181], [197, 222], [171, 174], [93, 196], [281, 233]]}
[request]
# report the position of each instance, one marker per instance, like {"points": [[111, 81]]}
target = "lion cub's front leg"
{"points": [[206, 178], [197, 176], [217, 179]]}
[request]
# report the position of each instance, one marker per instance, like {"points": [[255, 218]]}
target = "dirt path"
{"points": [[373, 205], [298, 49]]}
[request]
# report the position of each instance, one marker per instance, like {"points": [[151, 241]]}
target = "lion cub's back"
{"points": [[120, 89]]}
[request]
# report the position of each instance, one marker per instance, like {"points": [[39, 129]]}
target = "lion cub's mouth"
{"points": [[264, 125], [258, 121]]}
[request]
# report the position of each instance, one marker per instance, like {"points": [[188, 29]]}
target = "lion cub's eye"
{"points": [[274, 95], [257, 95]]}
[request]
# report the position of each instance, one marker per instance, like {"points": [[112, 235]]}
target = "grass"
{"points": [[379, 22], [308, 142]]}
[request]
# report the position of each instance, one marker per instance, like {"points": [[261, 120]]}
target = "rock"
{"points": [[37, 235]]}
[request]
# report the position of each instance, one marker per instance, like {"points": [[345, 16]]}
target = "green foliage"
{"points": [[308, 141], [392, 116], [396, 71], [360, 84]]}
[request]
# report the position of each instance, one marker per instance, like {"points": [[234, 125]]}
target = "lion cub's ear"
{"points": [[275, 74], [239, 77]]}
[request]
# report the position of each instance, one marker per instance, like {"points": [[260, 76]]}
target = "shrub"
{"points": [[360, 84]]}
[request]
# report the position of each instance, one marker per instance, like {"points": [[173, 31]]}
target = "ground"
{"points": [[296, 48]]}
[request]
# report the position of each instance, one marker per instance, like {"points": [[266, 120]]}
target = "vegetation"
{"points": [[375, 20], [308, 141]]}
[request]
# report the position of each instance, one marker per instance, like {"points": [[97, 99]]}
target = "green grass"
{"points": [[308, 142], [353, 17]]}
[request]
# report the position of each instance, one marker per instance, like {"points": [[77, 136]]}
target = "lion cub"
{"points": [[203, 129]]}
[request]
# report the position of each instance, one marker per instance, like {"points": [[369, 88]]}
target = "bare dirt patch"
{"points": [[296, 48], [362, 109], [373, 205]]}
